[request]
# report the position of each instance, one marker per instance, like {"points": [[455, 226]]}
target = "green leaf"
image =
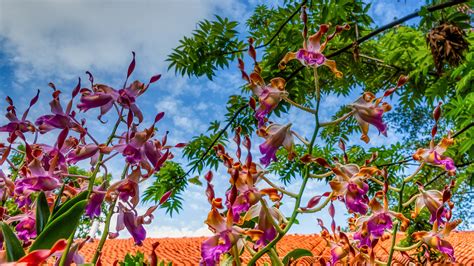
{"points": [[42, 212], [12, 244], [296, 254], [195, 180], [68, 204], [60, 228]]}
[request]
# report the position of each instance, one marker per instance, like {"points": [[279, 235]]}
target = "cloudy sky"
{"points": [[43, 41]]}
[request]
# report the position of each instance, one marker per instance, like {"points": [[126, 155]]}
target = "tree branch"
{"points": [[384, 28]]}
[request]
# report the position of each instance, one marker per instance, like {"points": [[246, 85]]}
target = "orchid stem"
{"points": [[337, 121], [395, 228], [406, 204], [108, 218], [306, 173], [236, 256], [305, 142], [417, 244], [297, 105], [288, 193], [89, 189], [270, 217], [409, 178], [382, 183], [321, 175], [275, 258]]}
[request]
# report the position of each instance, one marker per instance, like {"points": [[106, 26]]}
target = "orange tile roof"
{"points": [[186, 251]]}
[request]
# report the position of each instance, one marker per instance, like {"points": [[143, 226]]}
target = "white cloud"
{"points": [[69, 37]]}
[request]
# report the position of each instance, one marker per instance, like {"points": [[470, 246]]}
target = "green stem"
{"points": [[306, 173], [108, 218], [236, 256], [417, 244], [275, 258], [270, 217], [90, 187], [395, 228]]}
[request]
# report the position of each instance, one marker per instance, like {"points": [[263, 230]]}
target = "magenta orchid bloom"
{"points": [[104, 97], [269, 95], [35, 178], [83, 152], [349, 183], [312, 52], [434, 155], [373, 227], [434, 238], [367, 110], [275, 136], [60, 119], [225, 236], [93, 207], [26, 228], [22, 125], [128, 218], [436, 202]]}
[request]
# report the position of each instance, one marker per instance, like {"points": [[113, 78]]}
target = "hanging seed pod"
{"points": [[448, 44]]}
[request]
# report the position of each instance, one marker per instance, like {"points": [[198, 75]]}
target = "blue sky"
{"points": [[43, 41]]}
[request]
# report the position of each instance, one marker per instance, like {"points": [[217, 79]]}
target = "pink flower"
{"points": [[275, 136], [374, 226], [434, 238], [22, 125], [350, 184], [434, 155], [367, 110], [312, 52], [269, 95]]}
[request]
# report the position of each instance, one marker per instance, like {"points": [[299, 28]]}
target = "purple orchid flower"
{"points": [[35, 178], [104, 97], [26, 228], [435, 238], [367, 111], [276, 136], [434, 155], [128, 218], [374, 226], [22, 125], [60, 119], [93, 207], [312, 52], [269, 96], [350, 184]]}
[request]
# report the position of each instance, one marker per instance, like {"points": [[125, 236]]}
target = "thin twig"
{"points": [[338, 120]]}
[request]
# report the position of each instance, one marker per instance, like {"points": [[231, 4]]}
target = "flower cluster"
{"points": [[41, 184], [244, 218]]}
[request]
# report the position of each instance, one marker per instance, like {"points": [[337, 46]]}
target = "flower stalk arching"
{"points": [[338, 120], [306, 176], [273, 185], [297, 105]]}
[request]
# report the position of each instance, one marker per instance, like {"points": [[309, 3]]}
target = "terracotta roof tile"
{"points": [[186, 251]]}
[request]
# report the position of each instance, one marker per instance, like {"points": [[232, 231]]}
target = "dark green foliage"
{"points": [[170, 177], [13, 246], [206, 50], [59, 228], [42, 212]]}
